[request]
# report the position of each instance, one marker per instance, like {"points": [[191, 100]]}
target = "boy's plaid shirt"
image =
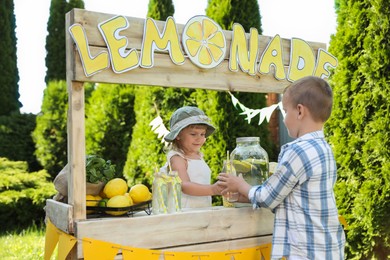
{"points": [[300, 193]]}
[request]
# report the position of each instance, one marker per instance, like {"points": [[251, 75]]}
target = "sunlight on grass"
{"points": [[27, 245]]}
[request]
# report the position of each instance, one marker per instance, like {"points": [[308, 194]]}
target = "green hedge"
{"points": [[16, 140], [22, 195]]}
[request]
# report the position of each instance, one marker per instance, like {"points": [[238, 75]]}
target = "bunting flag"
{"points": [[343, 222], [51, 239], [95, 249], [196, 255], [265, 251], [54, 236], [159, 128], [246, 254], [130, 253], [65, 244], [263, 113]]}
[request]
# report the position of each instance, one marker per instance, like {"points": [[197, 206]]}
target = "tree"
{"points": [[55, 40], [109, 123], [9, 88], [50, 134], [16, 140], [246, 13], [360, 125], [146, 150], [160, 9], [23, 195]]}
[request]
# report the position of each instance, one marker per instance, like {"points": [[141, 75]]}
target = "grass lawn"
{"points": [[28, 244]]}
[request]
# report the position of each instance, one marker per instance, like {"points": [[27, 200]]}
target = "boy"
{"points": [[300, 192]]}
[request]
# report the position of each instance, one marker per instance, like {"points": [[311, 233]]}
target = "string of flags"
{"points": [[95, 249], [159, 128], [264, 113]]}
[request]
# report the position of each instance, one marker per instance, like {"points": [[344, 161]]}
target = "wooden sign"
{"points": [[118, 49]]}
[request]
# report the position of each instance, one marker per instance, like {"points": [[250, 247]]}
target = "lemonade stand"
{"points": [[116, 49]]}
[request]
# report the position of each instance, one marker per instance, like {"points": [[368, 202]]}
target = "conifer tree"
{"points": [[109, 123], [246, 13], [146, 150], [55, 40], [50, 134], [160, 9], [9, 88], [360, 125]]}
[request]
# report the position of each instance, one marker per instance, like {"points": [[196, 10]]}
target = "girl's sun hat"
{"points": [[186, 116]]}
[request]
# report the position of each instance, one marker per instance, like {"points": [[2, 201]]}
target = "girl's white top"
{"points": [[199, 172]]}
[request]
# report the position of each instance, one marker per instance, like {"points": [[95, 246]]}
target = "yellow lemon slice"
{"points": [[204, 42], [241, 166]]}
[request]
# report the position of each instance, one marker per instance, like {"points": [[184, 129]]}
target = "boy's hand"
{"points": [[230, 183]]}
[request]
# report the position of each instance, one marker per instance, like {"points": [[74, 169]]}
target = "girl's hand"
{"points": [[216, 189]]}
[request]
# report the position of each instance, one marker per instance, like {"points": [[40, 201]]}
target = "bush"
{"points": [[22, 195], [16, 140]]}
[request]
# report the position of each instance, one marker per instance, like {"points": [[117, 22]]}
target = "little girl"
{"points": [[189, 129]]}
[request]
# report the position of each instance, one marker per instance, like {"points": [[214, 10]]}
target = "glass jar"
{"points": [[250, 160], [160, 194]]}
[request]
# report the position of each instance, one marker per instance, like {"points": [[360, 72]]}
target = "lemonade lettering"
{"points": [[205, 46]]}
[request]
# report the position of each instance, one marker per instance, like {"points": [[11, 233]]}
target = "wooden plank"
{"points": [[189, 228], [60, 214], [76, 150], [224, 245], [134, 34], [165, 72]]}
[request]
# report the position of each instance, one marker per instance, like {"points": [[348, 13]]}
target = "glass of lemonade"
{"points": [[230, 196]]}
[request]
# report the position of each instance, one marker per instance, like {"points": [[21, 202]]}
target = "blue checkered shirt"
{"points": [[300, 193]]}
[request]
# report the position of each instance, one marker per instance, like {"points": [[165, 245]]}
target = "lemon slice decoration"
{"points": [[242, 166], [204, 42]]}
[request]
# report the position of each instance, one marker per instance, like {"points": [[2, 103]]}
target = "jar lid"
{"points": [[248, 139]]}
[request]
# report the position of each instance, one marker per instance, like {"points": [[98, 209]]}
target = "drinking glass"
{"points": [[230, 196]]}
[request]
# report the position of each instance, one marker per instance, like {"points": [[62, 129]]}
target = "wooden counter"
{"points": [[208, 229]]}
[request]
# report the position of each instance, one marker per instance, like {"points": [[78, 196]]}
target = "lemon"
{"points": [[242, 166], [91, 202], [129, 197], [115, 187], [204, 42], [118, 201], [140, 193]]}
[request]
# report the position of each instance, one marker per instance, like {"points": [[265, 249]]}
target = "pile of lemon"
{"points": [[117, 194]]}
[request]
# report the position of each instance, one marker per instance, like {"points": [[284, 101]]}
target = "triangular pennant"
{"points": [[65, 244], [95, 249], [266, 250], [131, 253], [196, 255], [51, 239], [246, 254]]}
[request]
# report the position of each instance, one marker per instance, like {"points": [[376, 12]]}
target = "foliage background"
{"points": [[359, 129]]}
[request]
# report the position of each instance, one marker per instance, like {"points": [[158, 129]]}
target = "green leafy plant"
{"points": [[98, 169]]}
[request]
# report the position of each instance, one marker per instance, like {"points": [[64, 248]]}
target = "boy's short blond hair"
{"points": [[313, 93]]}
